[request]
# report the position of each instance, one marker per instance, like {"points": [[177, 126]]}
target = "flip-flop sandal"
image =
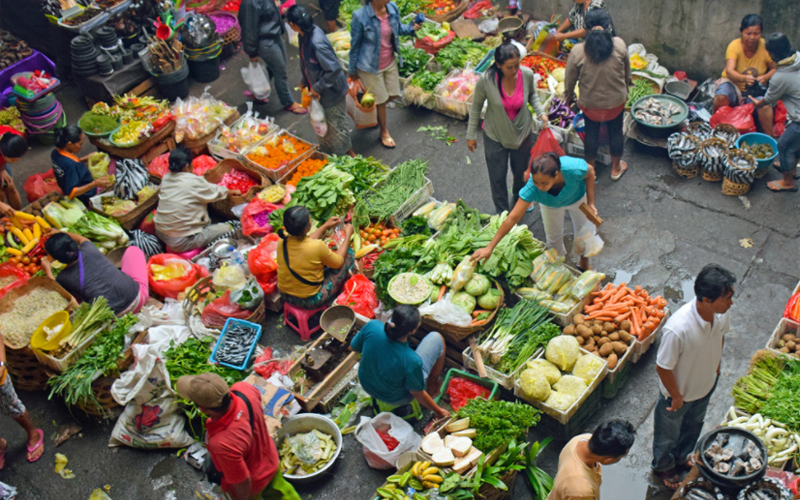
{"points": [[298, 110], [388, 143], [250, 95], [620, 174], [669, 476], [36, 447], [771, 187]]}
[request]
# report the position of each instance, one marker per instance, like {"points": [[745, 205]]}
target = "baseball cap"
{"points": [[206, 389]]}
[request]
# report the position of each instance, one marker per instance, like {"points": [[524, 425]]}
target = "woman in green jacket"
{"points": [[507, 88]]}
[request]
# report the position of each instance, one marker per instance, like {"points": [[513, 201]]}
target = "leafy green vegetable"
{"points": [[413, 60], [383, 201], [99, 229], [455, 238], [498, 422], [770, 388], [346, 9], [515, 336], [540, 480], [431, 31], [525, 345], [415, 225], [407, 7], [366, 172], [459, 53], [393, 262], [325, 194], [426, 80], [86, 320], [513, 257], [440, 133]]}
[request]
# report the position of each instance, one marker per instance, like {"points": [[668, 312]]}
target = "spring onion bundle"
{"points": [[770, 388], [88, 318], [515, 335]]}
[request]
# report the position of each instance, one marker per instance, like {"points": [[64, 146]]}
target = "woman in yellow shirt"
{"points": [[748, 68], [310, 273]]}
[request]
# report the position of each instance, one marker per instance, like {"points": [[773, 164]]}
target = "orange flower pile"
{"points": [[285, 149], [307, 168]]}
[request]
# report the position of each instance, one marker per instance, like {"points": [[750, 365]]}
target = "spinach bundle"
{"points": [[325, 194], [366, 172], [413, 60], [513, 257], [498, 422]]}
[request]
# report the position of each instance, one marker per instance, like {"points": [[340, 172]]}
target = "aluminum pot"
{"points": [[306, 423]]}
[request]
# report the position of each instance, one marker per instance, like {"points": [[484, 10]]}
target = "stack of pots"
{"points": [[111, 45], [84, 56]]}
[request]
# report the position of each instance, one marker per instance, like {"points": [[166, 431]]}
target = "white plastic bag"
{"points": [[256, 79], [588, 243], [292, 35], [446, 313], [317, 115], [375, 451]]}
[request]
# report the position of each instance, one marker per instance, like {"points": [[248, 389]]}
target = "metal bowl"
{"points": [[679, 89], [738, 438], [661, 130], [337, 321], [509, 24], [306, 423], [222, 248]]}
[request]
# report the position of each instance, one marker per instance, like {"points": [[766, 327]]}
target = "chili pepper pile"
{"points": [[236, 180], [542, 66]]}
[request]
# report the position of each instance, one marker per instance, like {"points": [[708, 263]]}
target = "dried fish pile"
{"points": [[740, 166], [727, 133], [700, 490], [713, 153], [235, 343], [701, 130], [727, 461], [766, 489], [656, 112], [12, 49], [683, 149]]}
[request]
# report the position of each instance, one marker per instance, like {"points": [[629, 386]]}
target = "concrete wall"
{"points": [[688, 35]]}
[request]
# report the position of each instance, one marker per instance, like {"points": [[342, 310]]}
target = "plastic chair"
{"points": [[301, 317], [191, 254], [380, 407]]}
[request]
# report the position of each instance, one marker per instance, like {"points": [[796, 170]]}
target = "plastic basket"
{"points": [[500, 378], [641, 346], [413, 202], [784, 326], [220, 153], [454, 372], [229, 323], [278, 173]]}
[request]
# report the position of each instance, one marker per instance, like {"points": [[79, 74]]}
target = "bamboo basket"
{"points": [[686, 173], [205, 287], [459, 333], [215, 175], [10, 298], [731, 188], [711, 176], [26, 373]]}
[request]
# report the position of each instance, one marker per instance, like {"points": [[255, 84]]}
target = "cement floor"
{"points": [[659, 232]]}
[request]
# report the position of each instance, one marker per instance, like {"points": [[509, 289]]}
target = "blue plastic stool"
{"points": [[380, 407]]}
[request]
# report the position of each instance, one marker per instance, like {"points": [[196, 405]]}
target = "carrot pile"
{"points": [[278, 152], [620, 303], [307, 168]]}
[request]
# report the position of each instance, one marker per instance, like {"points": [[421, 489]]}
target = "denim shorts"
{"points": [[429, 351], [729, 91]]}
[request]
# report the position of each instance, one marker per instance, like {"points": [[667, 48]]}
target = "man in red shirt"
{"points": [[240, 446]]}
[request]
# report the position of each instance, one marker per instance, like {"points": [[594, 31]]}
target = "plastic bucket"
{"points": [[174, 85], [204, 71], [755, 138], [39, 338]]}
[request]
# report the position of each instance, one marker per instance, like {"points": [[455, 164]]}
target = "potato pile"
{"points": [[602, 338], [789, 344]]}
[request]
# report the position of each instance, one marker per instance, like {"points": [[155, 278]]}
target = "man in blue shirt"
{"points": [[390, 370]]}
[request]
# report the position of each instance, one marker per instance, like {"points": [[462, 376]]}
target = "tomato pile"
{"points": [[29, 265], [542, 66], [439, 7], [378, 233]]}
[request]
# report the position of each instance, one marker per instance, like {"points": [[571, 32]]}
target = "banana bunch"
{"points": [[419, 478]]}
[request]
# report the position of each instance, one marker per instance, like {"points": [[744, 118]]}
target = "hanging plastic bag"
{"points": [[317, 115], [159, 166], [255, 217], [779, 122], [39, 185], [546, 143], [249, 296], [219, 310], [169, 275], [740, 117], [9, 271], [98, 165], [359, 295], [263, 264], [375, 450], [229, 277], [202, 164], [256, 79], [588, 243], [293, 36]]}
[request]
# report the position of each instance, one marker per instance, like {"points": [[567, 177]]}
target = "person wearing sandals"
{"points": [[508, 127], [262, 36], [375, 55], [322, 75], [785, 86], [11, 405], [310, 273], [601, 68]]}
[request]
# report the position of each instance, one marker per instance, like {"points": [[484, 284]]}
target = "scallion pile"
{"points": [[86, 320], [516, 336], [770, 388]]}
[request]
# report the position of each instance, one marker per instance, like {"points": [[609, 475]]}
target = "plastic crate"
{"points": [[454, 372], [784, 326], [564, 417], [611, 386], [220, 153], [549, 426], [278, 173], [573, 149], [228, 323], [641, 347], [504, 380], [60, 365], [452, 107], [413, 202], [565, 319]]}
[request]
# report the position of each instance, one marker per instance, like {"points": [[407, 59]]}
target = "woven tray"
{"points": [[459, 333], [452, 15], [205, 287], [136, 151], [215, 175]]}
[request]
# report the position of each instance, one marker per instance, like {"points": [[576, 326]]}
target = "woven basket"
{"points": [[27, 374], [205, 287], [452, 15], [489, 492], [731, 188], [713, 164], [726, 129], [686, 173], [712, 176], [459, 333], [215, 175], [231, 38], [701, 130]]}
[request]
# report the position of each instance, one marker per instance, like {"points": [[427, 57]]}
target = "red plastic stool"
{"points": [[301, 317], [191, 254]]}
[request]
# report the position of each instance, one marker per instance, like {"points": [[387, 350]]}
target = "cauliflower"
{"points": [[587, 367], [534, 385], [563, 351], [546, 368]]}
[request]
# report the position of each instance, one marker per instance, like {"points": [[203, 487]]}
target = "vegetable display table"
{"points": [[137, 151]]}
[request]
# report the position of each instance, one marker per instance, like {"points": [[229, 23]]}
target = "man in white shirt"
{"points": [[688, 365]]}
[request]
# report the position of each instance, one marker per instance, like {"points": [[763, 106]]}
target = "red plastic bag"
{"points": [[477, 9], [255, 217], [779, 122], [203, 164], [546, 143], [159, 166], [432, 47], [740, 117], [173, 287], [220, 309], [359, 294], [265, 365], [8, 270], [262, 263], [390, 442], [792, 310], [148, 224], [461, 390], [39, 185]]}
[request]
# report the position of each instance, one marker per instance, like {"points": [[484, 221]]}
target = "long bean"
{"points": [[404, 181]]}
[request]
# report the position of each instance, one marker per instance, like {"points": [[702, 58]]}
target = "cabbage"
{"points": [[587, 367], [490, 299], [559, 74], [478, 285], [534, 385], [572, 385], [563, 351], [465, 301], [98, 228], [560, 401], [546, 368]]}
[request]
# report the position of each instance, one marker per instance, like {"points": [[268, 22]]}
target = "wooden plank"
{"points": [[466, 28]]}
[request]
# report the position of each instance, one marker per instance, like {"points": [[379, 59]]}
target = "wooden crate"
{"points": [[135, 151], [312, 398]]}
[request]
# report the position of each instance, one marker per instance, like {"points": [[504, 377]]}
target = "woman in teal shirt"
{"points": [[390, 370], [560, 185]]}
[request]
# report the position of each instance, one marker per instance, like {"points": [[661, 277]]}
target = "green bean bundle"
{"points": [[404, 181]]}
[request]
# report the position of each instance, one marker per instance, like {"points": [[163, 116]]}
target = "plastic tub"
{"points": [[759, 138], [39, 338]]}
